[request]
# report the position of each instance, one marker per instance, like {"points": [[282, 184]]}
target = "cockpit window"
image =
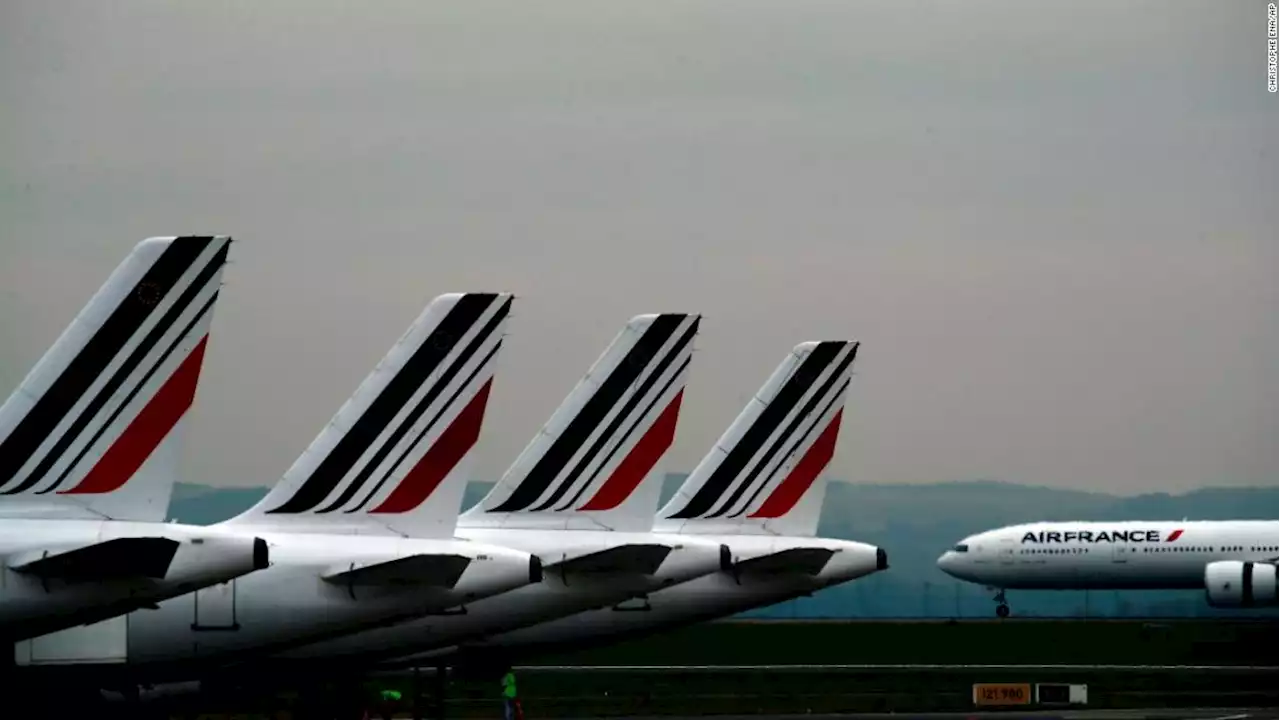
{"points": [[961, 548]]}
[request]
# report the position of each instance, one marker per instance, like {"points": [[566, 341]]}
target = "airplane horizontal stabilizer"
{"points": [[641, 559], [796, 561], [118, 559], [441, 570]]}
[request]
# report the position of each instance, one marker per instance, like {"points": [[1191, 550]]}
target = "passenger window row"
{"points": [[1053, 551], [1179, 549]]}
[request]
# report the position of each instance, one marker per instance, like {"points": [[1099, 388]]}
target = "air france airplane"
{"points": [[759, 491], [1233, 561], [581, 496], [360, 528], [89, 448]]}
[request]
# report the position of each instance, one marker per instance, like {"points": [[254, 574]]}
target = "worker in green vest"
{"points": [[389, 700], [510, 701]]}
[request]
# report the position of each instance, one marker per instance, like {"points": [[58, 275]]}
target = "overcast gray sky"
{"points": [[1052, 225]]}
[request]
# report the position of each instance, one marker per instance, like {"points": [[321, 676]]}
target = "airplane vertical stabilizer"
{"points": [[397, 457], [595, 464], [94, 430], [765, 474]]}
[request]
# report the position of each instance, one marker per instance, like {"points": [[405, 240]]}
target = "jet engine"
{"points": [[1235, 584]]}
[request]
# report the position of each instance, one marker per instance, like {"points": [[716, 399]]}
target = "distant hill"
{"points": [[915, 523], [204, 505]]}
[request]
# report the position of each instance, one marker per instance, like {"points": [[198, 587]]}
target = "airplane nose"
{"points": [[945, 561]]}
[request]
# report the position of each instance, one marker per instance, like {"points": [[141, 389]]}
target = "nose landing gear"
{"points": [[1002, 609]]}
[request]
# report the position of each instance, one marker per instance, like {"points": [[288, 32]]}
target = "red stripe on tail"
{"points": [[147, 430], [790, 490], [643, 456], [445, 454]]}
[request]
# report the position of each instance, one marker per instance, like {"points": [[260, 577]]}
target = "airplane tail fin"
{"points": [[765, 474], [594, 464], [397, 457], [94, 430]]}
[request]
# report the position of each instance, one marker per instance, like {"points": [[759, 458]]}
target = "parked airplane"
{"points": [[89, 446], [759, 491], [360, 527], [580, 496], [1233, 561]]}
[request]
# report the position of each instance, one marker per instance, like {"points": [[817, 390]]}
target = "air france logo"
{"points": [[1088, 536], [149, 293]]}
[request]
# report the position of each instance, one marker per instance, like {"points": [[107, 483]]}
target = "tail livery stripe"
{"points": [[592, 413], [622, 442], [435, 419], [97, 353], [461, 317], [436, 464], [795, 447], [639, 462], [131, 364], [427, 399], [147, 430], [611, 432], [111, 419], [750, 480], [770, 418], [797, 482]]}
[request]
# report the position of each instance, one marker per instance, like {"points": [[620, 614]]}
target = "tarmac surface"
{"points": [[901, 666], [1001, 714], [1148, 714]]}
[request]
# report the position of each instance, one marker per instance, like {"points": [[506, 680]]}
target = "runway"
{"points": [[1147, 714], [915, 666]]}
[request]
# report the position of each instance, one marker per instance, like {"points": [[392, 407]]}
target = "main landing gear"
{"points": [[1002, 610]]}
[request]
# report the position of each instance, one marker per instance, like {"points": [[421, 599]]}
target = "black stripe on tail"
{"points": [[808, 434], [135, 358], [430, 397], [610, 433], [785, 435], [464, 314], [623, 440], [730, 468], [589, 417], [107, 342]]}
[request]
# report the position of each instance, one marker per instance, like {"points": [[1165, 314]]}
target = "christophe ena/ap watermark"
{"points": [[1273, 50]]}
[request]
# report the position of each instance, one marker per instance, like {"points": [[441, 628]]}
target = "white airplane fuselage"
{"points": [[291, 603], [709, 596], [1108, 555], [556, 596], [33, 605], [1233, 561]]}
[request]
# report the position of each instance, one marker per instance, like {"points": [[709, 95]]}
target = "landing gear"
{"points": [[442, 690], [1002, 609]]}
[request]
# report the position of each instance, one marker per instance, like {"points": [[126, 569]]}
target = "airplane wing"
{"points": [[118, 559], [805, 561], [442, 570], [641, 559]]}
